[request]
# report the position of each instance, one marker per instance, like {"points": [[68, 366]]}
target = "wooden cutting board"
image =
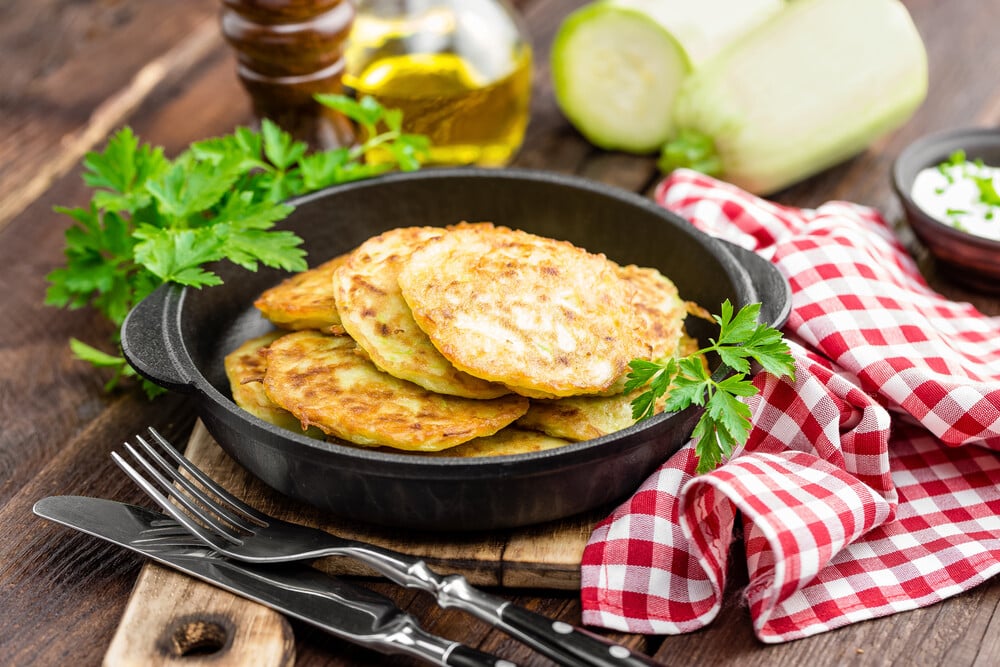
{"points": [[169, 616]]}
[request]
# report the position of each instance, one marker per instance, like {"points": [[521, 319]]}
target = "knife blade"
{"points": [[345, 610]]}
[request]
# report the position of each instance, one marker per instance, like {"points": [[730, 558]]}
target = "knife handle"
{"points": [[566, 644], [463, 656], [413, 640]]}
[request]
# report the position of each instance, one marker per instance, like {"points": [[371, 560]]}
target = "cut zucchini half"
{"points": [[615, 73]]}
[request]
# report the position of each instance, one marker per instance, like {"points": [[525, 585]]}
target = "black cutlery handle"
{"points": [[463, 656], [567, 645], [411, 639]]}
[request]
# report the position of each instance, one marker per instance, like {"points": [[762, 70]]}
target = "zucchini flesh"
{"points": [[617, 65], [704, 27], [814, 85], [615, 73]]}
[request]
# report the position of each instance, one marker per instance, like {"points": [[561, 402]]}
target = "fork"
{"points": [[233, 528]]}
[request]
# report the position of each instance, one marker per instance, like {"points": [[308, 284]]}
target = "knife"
{"points": [[347, 611]]}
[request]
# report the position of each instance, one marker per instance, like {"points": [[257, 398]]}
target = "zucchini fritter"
{"points": [[541, 316], [579, 418], [373, 312], [660, 310], [245, 368], [505, 442], [325, 382], [587, 417], [305, 300]]}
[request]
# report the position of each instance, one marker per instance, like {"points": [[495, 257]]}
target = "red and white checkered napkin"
{"points": [[870, 485]]}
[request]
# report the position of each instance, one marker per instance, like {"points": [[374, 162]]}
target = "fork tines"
{"points": [[205, 509]]}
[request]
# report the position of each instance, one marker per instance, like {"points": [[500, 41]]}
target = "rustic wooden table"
{"points": [[74, 71]]}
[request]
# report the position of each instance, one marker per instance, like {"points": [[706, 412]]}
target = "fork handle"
{"points": [[566, 644]]}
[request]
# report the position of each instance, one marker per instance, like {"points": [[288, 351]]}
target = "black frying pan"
{"points": [[178, 337]]}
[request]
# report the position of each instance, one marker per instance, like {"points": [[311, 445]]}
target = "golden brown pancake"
{"points": [[659, 308], [659, 318], [324, 382], [506, 442], [245, 368], [373, 312], [579, 417], [540, 316], [587, 417], [305, 300]]}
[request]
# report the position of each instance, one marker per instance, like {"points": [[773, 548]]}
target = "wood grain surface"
{"points": [[74, 70], [177, 620]]}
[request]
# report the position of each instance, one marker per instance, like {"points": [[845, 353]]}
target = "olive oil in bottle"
{"points": [[459, 70]]}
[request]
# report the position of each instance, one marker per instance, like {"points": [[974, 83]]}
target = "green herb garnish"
{"points": [[693, 150], [153, 220], [987, 191], [957, 158], [955, 161], [725, 422]]}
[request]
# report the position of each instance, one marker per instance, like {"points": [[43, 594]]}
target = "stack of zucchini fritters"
{"points": [[469, 340]]}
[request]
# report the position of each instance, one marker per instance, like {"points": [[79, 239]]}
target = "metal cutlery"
{"points": [[231, 527], [347, 611]]}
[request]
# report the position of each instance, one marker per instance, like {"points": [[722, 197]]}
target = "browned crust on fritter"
{"points": [[305, 300], [245, 367], [659, 310], [374, 313], [538, 315], [323, 381]]}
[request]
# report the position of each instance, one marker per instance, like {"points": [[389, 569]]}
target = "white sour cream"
{"points": [[949, 193]]}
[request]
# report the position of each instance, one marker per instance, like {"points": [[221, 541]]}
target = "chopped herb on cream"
{"points": [[961, 193]]}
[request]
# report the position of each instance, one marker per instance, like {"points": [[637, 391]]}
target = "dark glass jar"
{"points": [[287, 51]]}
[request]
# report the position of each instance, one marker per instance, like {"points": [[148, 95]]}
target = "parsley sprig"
{"points": [[153, 220], [725, 422]]}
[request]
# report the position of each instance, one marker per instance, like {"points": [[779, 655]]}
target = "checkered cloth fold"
{"points": [[869, 485]]}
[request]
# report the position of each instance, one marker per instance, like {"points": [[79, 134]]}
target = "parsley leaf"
{"points": [[117, 363], [153, 220], [725, 422], [176, 255], [407, 151]]}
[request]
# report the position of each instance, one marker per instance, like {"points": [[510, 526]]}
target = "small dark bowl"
{"points": [[972, 261], [177, 337]]}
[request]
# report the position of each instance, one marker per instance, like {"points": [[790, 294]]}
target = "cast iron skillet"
{"points": [[177, 337]]}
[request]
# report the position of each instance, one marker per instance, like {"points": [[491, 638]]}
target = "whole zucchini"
{"points": [[813, 85]]}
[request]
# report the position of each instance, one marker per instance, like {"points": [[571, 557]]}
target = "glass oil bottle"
{"points": [[459, 70]]}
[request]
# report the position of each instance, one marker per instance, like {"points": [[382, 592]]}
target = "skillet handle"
{"points": [[773, 290], [148, 343]]}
